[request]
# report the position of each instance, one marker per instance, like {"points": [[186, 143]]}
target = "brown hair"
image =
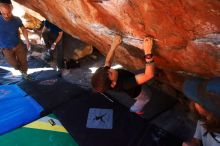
{"points": [[100, 80], [211, 124], [6, 5]]}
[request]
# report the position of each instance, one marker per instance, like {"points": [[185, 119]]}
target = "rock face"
{"points": [[187, 33], [30, 21]]}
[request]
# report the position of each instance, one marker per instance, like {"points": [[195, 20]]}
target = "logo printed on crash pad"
{"points": [[100, 118]]}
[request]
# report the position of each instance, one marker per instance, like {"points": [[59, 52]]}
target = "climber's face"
{"points": [[6, 11]]}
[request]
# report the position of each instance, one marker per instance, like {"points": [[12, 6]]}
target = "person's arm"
{"points": [[43, 30], [25, 34], [149, 67], [59, 37], [109, 58], [193, 142]]}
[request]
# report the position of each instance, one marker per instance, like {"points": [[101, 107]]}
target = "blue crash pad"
{"points": [[17, 108]]}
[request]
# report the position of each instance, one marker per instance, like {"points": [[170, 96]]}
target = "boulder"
{"points": [[186, 33]]}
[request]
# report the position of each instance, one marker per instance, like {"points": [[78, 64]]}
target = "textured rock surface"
{"points": [[187, 33], [30, 18]]}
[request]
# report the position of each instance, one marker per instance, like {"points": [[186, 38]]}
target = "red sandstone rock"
{"points": [[186, 32]]}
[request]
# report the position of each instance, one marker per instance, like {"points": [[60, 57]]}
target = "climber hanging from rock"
{"points": [[106, 78]]}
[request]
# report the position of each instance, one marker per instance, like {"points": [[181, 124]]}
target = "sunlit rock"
{"points": [[186, 32]]}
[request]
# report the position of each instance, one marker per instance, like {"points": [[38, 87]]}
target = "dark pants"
{"points": [[49, 39]]}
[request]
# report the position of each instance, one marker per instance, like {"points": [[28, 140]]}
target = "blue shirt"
{"points": [[53, 28], [9, 32]]}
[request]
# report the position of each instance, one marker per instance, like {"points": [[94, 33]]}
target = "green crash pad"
{"points": [[47, 131]]}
